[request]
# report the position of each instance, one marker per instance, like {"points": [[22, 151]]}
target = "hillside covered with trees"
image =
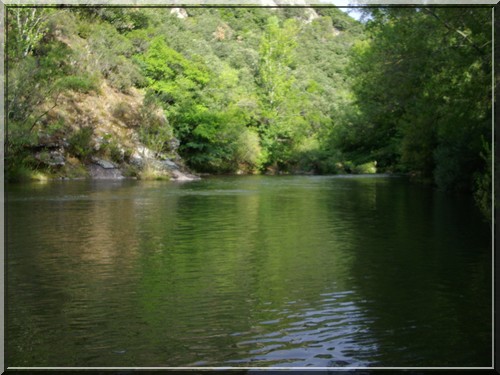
{"points": [[252, 90]]}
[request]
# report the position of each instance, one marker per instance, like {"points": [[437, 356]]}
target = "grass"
{"points": [[39, 176], [19, 173], [367, 168], [23, 173], [149, 173]]}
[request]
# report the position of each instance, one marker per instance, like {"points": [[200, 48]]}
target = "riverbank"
{"points": [[141, 168], [99, 134], [144, 164]]}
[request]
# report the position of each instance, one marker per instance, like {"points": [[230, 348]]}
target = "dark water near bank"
{"points": [[246, 271]]}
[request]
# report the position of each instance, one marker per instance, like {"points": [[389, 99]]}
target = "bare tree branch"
{"points": [[45, 113]]}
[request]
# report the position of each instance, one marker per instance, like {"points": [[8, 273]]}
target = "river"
{"points": [[249, 271]]}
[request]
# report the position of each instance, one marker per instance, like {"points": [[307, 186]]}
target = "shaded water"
{"points": [[246, 271]]}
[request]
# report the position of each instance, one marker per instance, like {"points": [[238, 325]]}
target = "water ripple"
{"points": [[321, 336], [253, 271]]}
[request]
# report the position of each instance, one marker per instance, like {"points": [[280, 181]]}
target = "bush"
{"points": [[248, 150], [156, 138], [80, 143], [318, 160], [73, 169], [63, 24], [120, 110], [150, 173], [331, 165], [115, 152], [125, 75], [17, 173], [111, 149], [111, 53], [366, 168], [80, 83], [84, 29]]}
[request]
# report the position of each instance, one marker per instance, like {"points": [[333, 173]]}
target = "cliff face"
{"points": [[103, 139]]}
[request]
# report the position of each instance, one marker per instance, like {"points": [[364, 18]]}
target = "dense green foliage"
{"points": [[266, 90], [423, 96], [241, 89]]}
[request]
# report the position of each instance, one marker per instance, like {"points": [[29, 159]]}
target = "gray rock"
{"points": [[136, 162], [170, 164], [47, 141], [179, 12], [99, 173], [173, 144], [104, 163], [98, 141], [52, 158], [57, 158]]}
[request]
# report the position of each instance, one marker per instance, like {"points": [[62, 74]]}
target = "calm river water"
{"points": [[246, 271]]}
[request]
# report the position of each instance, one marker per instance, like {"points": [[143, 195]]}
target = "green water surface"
{"points": [[252, 271]]}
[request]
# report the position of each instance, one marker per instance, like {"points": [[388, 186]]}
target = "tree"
{"points": [[26, 28], [422, 85], [281, 124], [423, 72]]}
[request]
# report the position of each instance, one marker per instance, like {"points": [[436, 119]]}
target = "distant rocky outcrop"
{"points": [[179, 12], [309, 12]]}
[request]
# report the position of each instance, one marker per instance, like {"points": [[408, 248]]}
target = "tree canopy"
{"points": [[286, 90]]}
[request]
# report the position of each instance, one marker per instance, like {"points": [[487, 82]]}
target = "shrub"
{"points": [[80, 143], [331, 165], [84, 29], [115, 152], [73, 169], [150, 173], [111, 54], [248, 150], [156, 138], [63, 24], [17, 173], [120, 110], [125, 75], [80, 83], [366, 168], [155, 131], [130, 171]]}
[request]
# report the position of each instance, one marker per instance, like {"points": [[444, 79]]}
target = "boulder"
{"points": [[51, 141], [104, 163], [51, 158], [170, 164], [179, 12], [101, 169]]}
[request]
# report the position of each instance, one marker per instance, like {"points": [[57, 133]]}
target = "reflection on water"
{"points": [[246, 271], [320, 336]]}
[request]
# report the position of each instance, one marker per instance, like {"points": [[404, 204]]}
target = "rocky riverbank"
{"points": [[103, 134], [56, 161]]}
